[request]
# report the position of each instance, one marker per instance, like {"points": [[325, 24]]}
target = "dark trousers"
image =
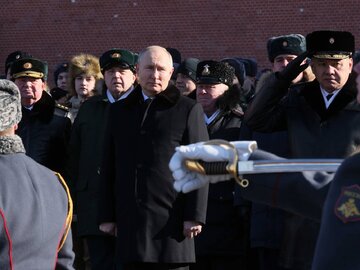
{"points": [[155, 266], [219, 263], [265, 259], [101, 251]]}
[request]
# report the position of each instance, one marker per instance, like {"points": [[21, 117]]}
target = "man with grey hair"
{"points": [[155, 225], [35, 225]]}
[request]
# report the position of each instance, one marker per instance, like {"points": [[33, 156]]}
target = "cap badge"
{"points": [[116, 55], [285, 43], [27, 65], [206, 70], [331, 40]]}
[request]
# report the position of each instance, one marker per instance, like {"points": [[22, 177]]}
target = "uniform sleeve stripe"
{"points": [[8, 238]]}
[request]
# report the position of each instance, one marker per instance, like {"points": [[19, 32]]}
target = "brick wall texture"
{"points": [[55, 30]]}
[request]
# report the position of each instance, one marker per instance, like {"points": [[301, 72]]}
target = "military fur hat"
{"points": [[294, 44], [330, 44], [213, 72], [83, 64], [250, 65], [10, 105], [188, 68], [117, 57], [29, 67], [238, 66], [12, 57]]}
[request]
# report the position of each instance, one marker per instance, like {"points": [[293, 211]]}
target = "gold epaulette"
{"points": [[69, 212], [61, 110]]}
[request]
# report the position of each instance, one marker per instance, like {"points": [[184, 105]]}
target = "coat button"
{"points": [[142, 132], [98, 170]]}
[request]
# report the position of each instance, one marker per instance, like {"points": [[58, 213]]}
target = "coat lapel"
{"points": [[314, 98]]}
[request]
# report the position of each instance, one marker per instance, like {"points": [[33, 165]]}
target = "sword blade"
{"points": [[265, 166], [288, 165]]}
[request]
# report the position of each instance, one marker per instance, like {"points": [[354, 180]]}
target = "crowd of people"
{"points": [[108, 129]]}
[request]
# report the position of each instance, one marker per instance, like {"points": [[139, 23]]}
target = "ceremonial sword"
{"points": [[265, 166]]}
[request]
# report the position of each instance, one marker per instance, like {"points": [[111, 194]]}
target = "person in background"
{"points": [[60, 92], [223, 243], [248, 87], [176, 57], [312, 113], [44, 127], [270, 226], [85, 154], [186, 77], [84, 73]]}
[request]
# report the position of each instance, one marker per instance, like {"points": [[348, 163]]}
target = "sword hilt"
{"points": [[214, 168], [207, 168]]}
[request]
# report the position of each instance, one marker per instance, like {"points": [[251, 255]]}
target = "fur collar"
{"points": [[11, 145]]}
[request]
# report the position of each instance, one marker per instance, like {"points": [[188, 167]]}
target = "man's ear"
{"points": [[171, 71], [351, 63], [44, 85]]}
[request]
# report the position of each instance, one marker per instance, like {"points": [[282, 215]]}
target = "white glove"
{"points": [[211, 151]]}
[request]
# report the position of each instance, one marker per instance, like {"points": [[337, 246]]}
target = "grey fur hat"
{"points": [[10, 105]]}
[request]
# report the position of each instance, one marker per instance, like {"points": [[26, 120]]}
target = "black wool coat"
{"points": [[137, 186], [227, 228], [84, 162], [314, 132], [45, 132]]}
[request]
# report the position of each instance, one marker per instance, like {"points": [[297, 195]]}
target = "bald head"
{"points": [[154, 70]]}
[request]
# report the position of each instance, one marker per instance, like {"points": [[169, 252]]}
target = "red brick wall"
{"points": [[208, 29]]}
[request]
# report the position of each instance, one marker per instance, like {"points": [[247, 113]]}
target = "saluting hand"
{"points": [[294, 68]]}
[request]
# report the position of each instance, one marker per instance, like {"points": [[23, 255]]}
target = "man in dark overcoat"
{"points": [[44, 127], [223, 244], [153, 223], [322, 116], [85, 154]]}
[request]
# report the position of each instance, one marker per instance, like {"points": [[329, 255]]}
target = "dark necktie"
{"points": [[145, 108], [329, 96]]}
